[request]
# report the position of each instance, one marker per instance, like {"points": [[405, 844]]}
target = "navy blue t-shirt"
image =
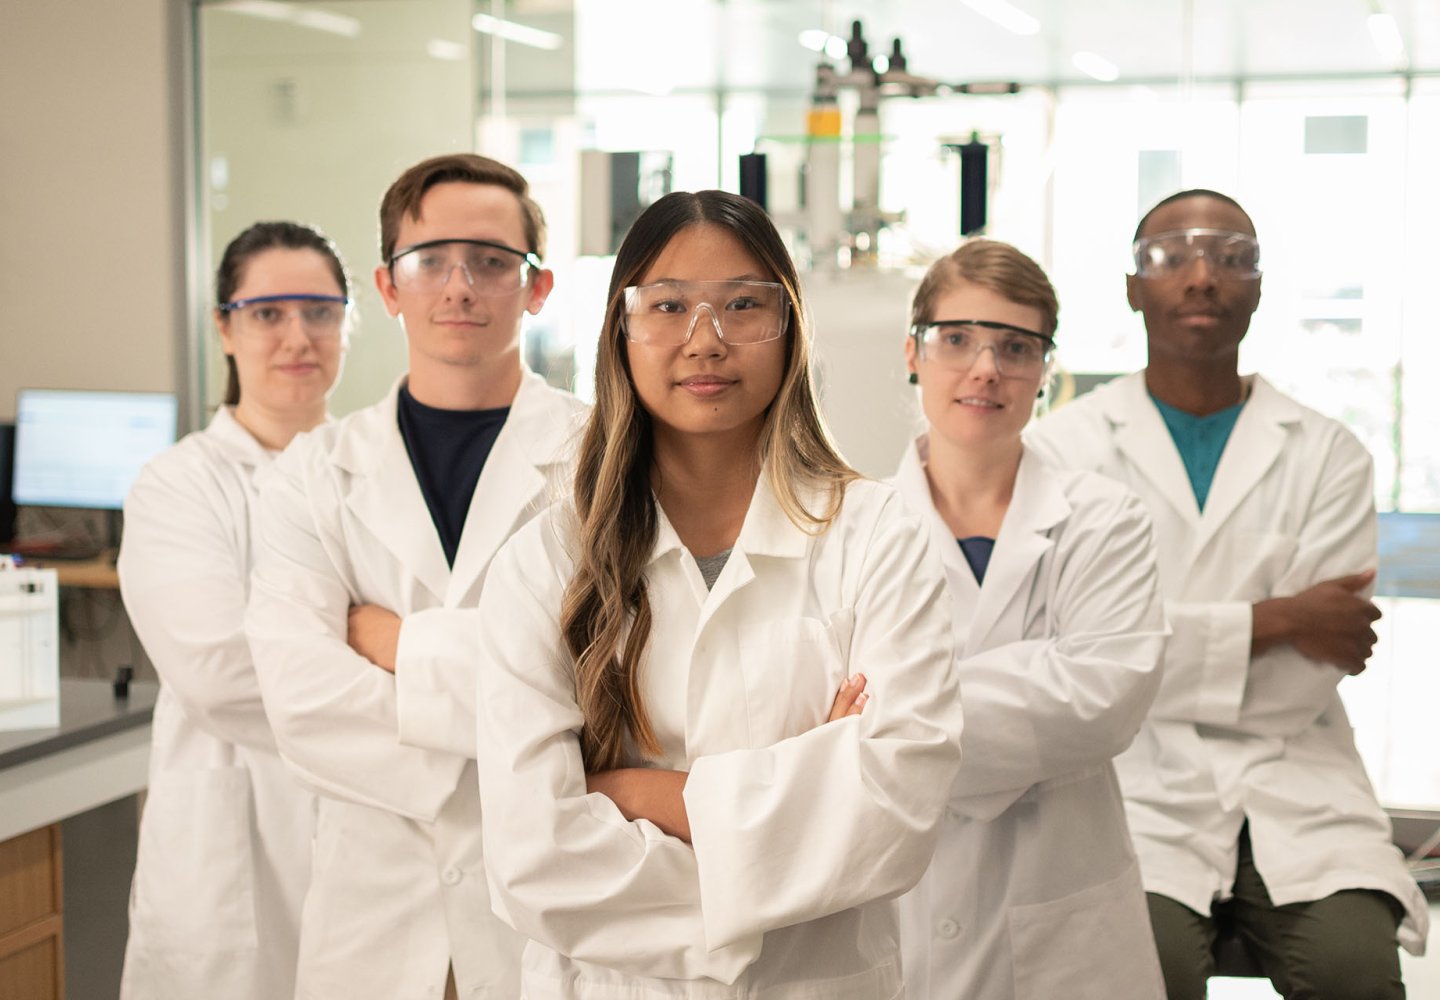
{"points": [[977, 550], [447, 449]]}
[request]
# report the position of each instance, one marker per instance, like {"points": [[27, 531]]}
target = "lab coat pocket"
{"points": [[194, 873], [792, 671], [1095, 944]]}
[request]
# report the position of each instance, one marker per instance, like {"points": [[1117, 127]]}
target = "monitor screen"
{"points": [[84, 448]]}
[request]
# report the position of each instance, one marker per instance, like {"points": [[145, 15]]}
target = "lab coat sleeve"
{"points": [[848, 812], [183, 577], [333, 711], [565, 867], [1047, 706], [435, 680], [1286, 691]]}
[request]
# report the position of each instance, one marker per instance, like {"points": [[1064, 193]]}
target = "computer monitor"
{"points": [[83, 448]]}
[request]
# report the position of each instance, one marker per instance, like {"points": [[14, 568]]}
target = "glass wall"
{"points": [[309, 110]]}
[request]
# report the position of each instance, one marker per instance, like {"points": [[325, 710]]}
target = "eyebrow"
{"points": [[687, 281]]}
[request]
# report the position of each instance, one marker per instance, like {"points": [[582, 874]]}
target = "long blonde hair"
{"points": [[615, 507]]}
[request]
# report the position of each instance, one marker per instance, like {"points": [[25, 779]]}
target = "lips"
{"points": [[706, 385], [989, 404]]}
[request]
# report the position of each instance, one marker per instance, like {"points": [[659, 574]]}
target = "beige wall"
{"points": [[91, 258]]}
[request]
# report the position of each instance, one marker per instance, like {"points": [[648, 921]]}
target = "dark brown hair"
{"points": [[404, 196], [257, 239]]}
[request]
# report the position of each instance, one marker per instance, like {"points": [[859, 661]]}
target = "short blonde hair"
{"points": [[993, 265]]}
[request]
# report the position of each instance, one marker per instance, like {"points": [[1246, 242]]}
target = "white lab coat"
{"points": [[1234, 737], [398, 891], [1034, 892], [224, 854], [802, 832]]}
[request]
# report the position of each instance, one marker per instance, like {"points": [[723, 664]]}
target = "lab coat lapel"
{"points": [[1255, 445], [1037, 504], [385, 495], [1142, 436], [535, 437], [914, 487], [766, 533]]}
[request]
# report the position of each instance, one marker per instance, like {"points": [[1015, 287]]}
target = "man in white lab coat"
{"points": [[1244, 788], [392, 515]]}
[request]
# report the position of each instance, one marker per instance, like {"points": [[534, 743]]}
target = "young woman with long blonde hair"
{"points": [[667, 811]]}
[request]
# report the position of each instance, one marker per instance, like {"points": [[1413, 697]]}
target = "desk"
{"points": [[95, 574], [95, 760]]}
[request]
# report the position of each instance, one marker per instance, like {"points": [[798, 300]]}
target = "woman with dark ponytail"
{"points": [[677, 801], [224, 857]]}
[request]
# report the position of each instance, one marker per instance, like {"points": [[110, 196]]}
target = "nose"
{"points": [[985, 366], [705, 339], [293, 332], [464, 288], [1200, 272]]}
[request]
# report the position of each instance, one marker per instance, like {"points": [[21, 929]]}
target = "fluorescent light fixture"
{"points": [[814, 39], [269, 10], [832, 46], [1008, 16], [441, 48], [521, 34], [274, 10], [1385, 33], [323, 20], [1096, 66]]}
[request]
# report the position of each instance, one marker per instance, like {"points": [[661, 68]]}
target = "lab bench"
{"points": [[69, 792]]}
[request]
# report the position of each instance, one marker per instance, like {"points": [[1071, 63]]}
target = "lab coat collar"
{"points": [[1255, 444], [235, 441], [539, 434], [1140, 433], [1037, 505], [385, 495], [766, 531]]}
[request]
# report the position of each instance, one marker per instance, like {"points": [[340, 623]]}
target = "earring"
{"points": [[914, 378], [1040, 394]]}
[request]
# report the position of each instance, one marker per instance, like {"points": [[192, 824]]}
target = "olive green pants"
{"points": [[1342, 947]]}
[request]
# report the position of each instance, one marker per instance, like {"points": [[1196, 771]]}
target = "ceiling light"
{"points": [[322, 20], [273, 10], [522, 34], [814, 39], [1008, 16], [441, 48], [1385, 33], [1096, 66]]}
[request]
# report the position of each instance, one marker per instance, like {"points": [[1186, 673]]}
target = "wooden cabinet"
{"points": [[32, 955]]}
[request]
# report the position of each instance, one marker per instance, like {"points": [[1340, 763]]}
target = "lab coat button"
{"points": [[947, 928], [450, 876]]}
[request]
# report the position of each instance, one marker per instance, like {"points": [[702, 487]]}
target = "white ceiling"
{"points": [[753, 43]]}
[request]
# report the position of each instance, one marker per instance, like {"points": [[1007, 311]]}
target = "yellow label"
{"points": [[823, 122]]}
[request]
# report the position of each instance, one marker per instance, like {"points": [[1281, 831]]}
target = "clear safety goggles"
{"points": [[957, 343], [489, 268], [744, 312], [1229, 254], [320, 316]]}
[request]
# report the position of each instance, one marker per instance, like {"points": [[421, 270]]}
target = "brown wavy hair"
{"points": [[605, 615]]}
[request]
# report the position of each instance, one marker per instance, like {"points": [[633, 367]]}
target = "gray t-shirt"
{"points": [[710, 567]]}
